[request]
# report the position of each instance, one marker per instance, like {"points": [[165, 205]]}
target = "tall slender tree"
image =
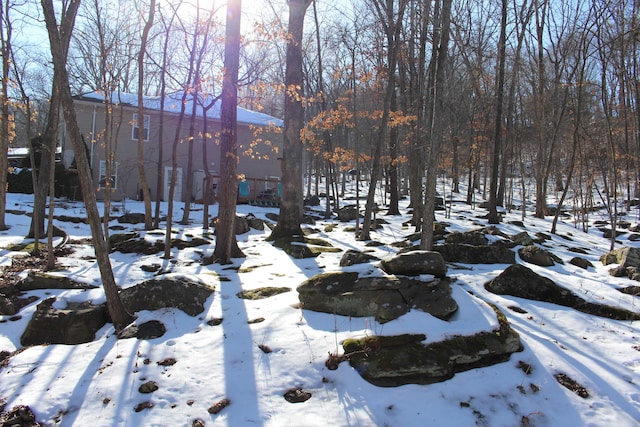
{"points": [[146, 195], [226, 244], [57, 34], [437, 66], [291, 208], [497, 136]]}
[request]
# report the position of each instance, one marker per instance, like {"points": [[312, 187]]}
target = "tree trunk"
{"points": [[493, 217], [291, 208], [146, 195], [117, 311], [393, 27], [5, 43], [435, 127], [226, 243]]}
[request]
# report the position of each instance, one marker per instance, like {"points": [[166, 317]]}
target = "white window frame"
{"points": [[103, 173], [134, 127]]}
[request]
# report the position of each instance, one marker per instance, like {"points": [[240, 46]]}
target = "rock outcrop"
{"points": [[414, 263], [384, 298], [520, 281], [167, 292], [390, 361], [72, 325]]}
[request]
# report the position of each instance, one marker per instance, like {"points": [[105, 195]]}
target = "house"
{"points": [[259, 145]]}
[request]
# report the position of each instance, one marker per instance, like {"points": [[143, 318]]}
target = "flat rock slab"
{"points": [[520, 281], [470, 254], [384, 298], [392, 361]]}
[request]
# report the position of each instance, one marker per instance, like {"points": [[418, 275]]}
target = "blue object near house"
{"points": [[243, 189]]}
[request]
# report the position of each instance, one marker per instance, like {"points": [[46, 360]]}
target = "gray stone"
{"points": [[475, 238], [347, 213], [145, 331], [182, 293], [68, 326], [469, 254], [520, 281], [131, 218], [391, 361], [414, 263], [384, 298], [522, 238], [538, 256], [580, 262], [352, 257], [255, 222], [7, 308], [628, 259]]}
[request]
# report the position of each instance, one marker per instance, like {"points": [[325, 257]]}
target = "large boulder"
{"points": [[167, 292], [384, 298], [72, 325], [538, 256], [347, 213], [390, 361], [475, 238], [628, 260], [415, 263], [520, 281], [470, 254]]}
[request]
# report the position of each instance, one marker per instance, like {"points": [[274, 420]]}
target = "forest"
{"points": [[503, 96], [455, 178]]}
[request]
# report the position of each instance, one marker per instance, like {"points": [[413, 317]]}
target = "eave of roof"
{"points": [[173, 102]]}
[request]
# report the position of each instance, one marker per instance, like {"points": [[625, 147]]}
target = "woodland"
{"points": [[397, 93]]}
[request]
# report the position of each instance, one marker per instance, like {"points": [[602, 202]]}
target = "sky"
{"points": [[97, 383]]}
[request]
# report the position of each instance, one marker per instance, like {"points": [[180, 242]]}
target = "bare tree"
{"points": [[291, 209], [226, 244], [5, 49], [146, 195], [434, 118], [493, 217], [57, 34], [390, 16]]}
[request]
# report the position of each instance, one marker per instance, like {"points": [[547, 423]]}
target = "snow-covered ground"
{"points": [[97, 383]]}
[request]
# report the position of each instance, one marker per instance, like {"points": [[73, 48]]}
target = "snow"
{"points": [[173, 104], [97, 383]]}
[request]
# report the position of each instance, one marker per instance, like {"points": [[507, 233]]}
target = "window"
{"points": [[113, 182], [135, 130]]}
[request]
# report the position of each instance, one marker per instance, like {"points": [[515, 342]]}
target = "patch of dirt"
{"points": [[10, 273], [572, 385]]}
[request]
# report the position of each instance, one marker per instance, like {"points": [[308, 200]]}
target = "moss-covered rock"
{"points": [[262, 293], [390, 361], [384, 298], [300, 247], [520, 281], [166, 292]]}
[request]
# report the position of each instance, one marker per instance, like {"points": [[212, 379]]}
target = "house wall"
{"points": [[257, 158]]}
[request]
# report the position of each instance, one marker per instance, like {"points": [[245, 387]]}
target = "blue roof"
{"points": [[172, 104]]}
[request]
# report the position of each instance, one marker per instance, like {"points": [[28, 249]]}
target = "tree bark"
{"points": [[146, 194], [291, 209], [435, 127], [117, 311], [493, 217], [226, 243]]}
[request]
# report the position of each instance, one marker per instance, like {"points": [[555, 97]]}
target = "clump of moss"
{"points": [[262, 293]]}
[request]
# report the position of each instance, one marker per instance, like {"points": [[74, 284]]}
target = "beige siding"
{"points": [[256, 160]]}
